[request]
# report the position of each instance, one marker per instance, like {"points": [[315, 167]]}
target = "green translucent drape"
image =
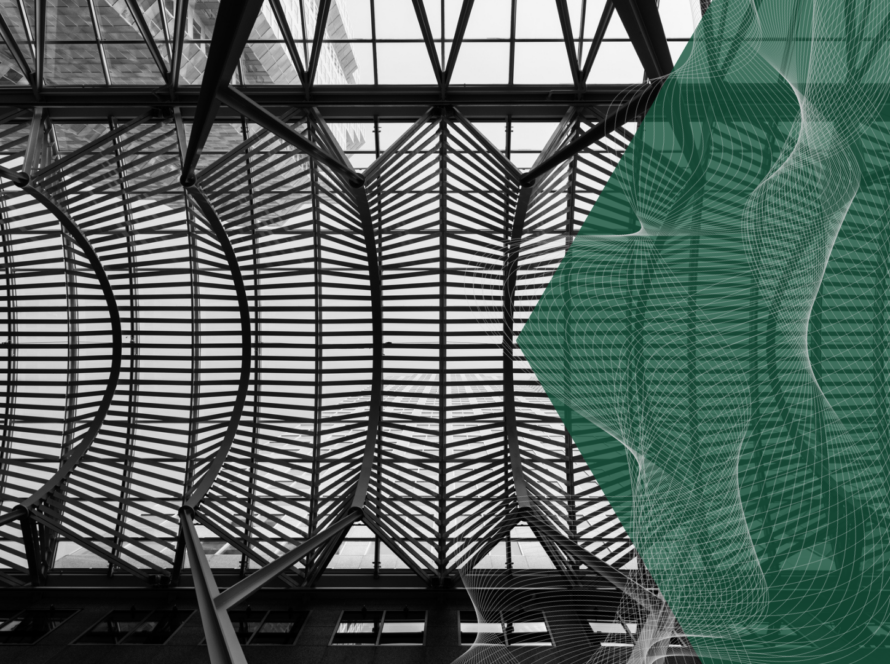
{"points": [[716, 339]]}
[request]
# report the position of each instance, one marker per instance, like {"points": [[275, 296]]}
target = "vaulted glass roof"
{"points": [[124, 43], [263, 286]]}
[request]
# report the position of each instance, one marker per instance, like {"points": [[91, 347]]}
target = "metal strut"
{"points": [[28, 509]]}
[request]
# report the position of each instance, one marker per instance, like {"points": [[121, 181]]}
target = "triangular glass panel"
{"points": [[10, 73], [158, 14], [268, 58], [196, 40], [540, 53], [347, 56], [128, 58], [585, 17], [20, 27]]}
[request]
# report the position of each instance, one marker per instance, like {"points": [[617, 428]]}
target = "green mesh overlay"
{"points": [[716, 339]]}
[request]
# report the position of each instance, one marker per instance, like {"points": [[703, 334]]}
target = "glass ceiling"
{"points": [[442, 234], [369, 42]]}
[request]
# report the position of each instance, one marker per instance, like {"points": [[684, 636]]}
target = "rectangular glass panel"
{"points": [[73, 64], [404, 628], [280, 628], [358, 628], [246, 623], [528, 634], [114, 627], [132, 64], [159, 627], [30, 625]]}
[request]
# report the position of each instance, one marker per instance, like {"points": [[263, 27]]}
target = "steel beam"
{"points": [[459, 32], [642, 596], [372, 170], [289, 42], [375, 528], [511, 428], [249, 585], [282, 130], [598, 36], [336, 102], [643, 24], [321, 24], [222, 641], [216, 225], [424, 23], [23, 511], [565, 23], [508, 166], [144, 30], [180, 21], [17, 54], [40, 43], [637, 105], [234, 21], [89, 436]]}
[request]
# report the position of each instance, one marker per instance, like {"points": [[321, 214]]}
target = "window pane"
{"points": [[616, 62], [489, 19], [404, 63], [470, 627], [281, 628], [159, 627], [403, 628], [356, 17], [396, 20], [358, 628], [30, 625], [529, 634], [246, 623], [73, 64], [482, 63], [537, 20], [114, 627], [541, 62]]}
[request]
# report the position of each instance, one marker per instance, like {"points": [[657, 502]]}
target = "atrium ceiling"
{"points": [[263, 284]]}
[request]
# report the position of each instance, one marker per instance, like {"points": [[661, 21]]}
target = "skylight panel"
{"points": [[130, 62], [585, 17], [480, 63], [404, 63], [678, 18], [396, 19], [345, 60], [490, 19], [20, 27], [10, 74], [358, 16], [616, 29], [617, 63], [541, 63], [537, 20], [72, 52], [73, 64], [157, 14]]}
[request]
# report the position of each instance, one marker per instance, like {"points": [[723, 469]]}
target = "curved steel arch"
{"points": [[209, 477], [24, 509]]}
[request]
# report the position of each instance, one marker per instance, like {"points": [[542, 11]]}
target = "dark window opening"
{"points": [[135, 626], [526, 628], [403, 628], [280, 628], [380, 628], [30, 625], [471, 627], [260, 627]]}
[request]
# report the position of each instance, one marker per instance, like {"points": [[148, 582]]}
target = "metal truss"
{"points": [[255, 339]]}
